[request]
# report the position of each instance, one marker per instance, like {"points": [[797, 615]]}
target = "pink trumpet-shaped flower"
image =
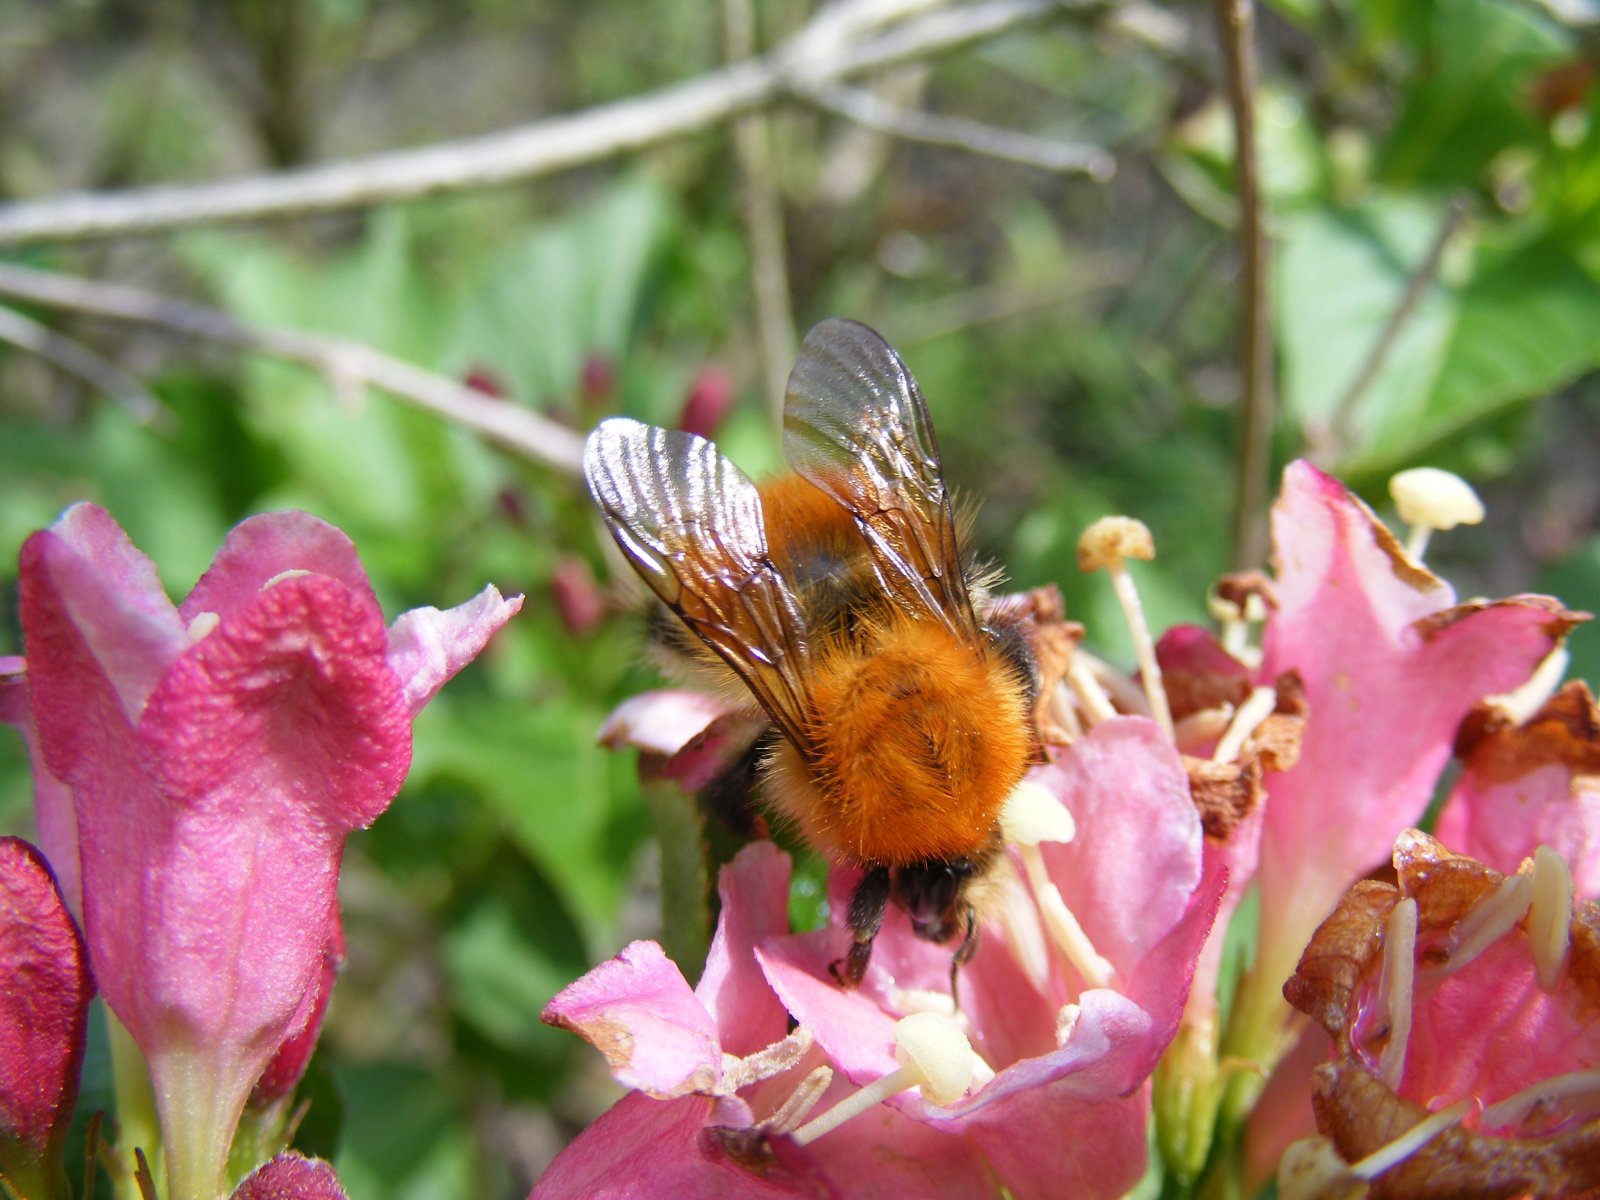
{"points": [[42, 1006], [1390, 665], [218, 753]]}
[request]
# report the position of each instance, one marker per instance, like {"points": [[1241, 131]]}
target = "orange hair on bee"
{"points": [[920, 736]]}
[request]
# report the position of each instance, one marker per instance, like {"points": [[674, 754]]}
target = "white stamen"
{"points": [[1031, 814], [1203, 728], [1065, 711], [281, 576], [914, 1000], [1062, 926], [934, 1056], [1412, 1140], [1256, 709], [1515, 1109], [1427, 498], [1486, 922], [1395, 988], [1097, 705], [1550, 917], [1311, 1169], [202, 625], [1521, 703], [764, 1063], [800, 1103], [1106, 543], [1066, 1022]]}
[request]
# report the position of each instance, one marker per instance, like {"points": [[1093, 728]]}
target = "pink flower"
{"points": [[1528, 785], [1390, 665], [1461, 1004], [42, 1009], [218, 753], [1067, 1042]]}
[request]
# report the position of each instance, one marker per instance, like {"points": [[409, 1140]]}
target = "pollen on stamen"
{"points": [[1395, 988], [1258, 706], [1106, 544], [1486, 922], [1550, 917], [1521, 703], [771, 1060], [284, 576], [1426, 499], [1578, 1089], [202, 625], [935, 1058]]}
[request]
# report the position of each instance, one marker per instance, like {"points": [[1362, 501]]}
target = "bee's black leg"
{"points": [[964, 953], [867, 906]]}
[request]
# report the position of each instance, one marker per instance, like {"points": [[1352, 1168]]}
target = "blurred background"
{"points": [[1070, 303]]}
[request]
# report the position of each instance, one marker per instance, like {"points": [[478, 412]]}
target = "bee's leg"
{"points": [[867, 905], [730, 797], [964, 953]]}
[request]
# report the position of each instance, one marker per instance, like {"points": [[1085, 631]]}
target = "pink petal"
{"points": [[263, 547], [755, 906], [427, 647], [643, 1149], [289, 1061], [1130, 872], [290, 1176], [854, 1031], [1384, 696], [661, 722], [82, 582], [1055, 1143], [638, 1010], [1528, 785], [42, 1005], [55, 826]]}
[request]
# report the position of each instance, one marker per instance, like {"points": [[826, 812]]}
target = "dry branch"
{"points": [[347, 364], [843, 40]]}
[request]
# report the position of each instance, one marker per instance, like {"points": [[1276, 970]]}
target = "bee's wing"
{"points": [[690, 522], [855, 425]]}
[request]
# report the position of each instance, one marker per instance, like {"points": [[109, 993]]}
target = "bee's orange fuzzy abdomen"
{"points": [[921, 735]]}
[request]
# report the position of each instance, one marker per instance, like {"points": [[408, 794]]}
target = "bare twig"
{"points": [[1236, 22], [78, 360], [843, 40], [763, 218], [347, 364], [1341, 427], [960, 133]]}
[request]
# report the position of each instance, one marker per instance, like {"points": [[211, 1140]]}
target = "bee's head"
{"points": [[934, 897]]}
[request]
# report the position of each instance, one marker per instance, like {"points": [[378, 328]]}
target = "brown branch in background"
{"points": [[763, 221], [76, 359], [842, 40], [961, 133], [349, 366], [1341, 428], [1236, 23]]}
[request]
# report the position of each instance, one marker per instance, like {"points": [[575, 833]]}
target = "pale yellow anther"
{"points": [[1395, 988], [934, 1056], [202, 625], [282, 576], [1311, 1169], [1032, 814], [1107, 543], [1427, 498], [1550, 917], [1485, 923], [1111, 539]]}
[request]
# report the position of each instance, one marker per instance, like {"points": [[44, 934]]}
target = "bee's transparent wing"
{"points": [[855, 425], [690, 522]]}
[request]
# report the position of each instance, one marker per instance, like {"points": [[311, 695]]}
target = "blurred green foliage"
{"points": [[1076, 341]]}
